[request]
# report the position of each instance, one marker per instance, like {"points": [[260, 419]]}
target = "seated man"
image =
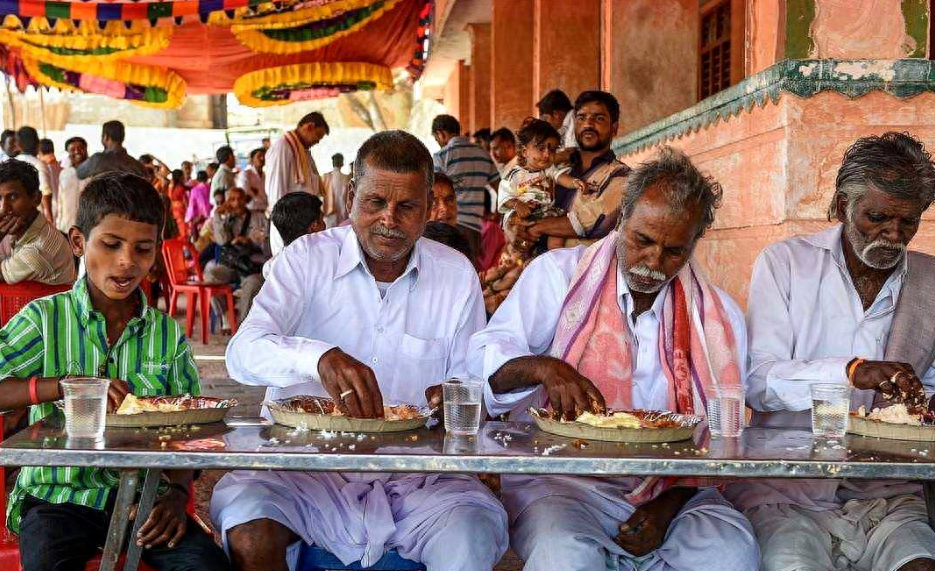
{"points": [[368, 314], [294, 216], [31, 248], [242, 236], [62, 513], [846, 306], [612, 323]]}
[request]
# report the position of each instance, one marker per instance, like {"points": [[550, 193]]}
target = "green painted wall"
{"points": [[916, 13], [799, 17]]}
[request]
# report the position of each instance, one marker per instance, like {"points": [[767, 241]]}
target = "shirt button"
{"points": [[374, 360], [380, 330]]}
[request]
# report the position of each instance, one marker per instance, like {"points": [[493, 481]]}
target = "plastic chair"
{"points": [[185, 277], [314, 558], [14, 297]]}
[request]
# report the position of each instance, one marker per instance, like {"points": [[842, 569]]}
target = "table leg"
{"points": [[928, 489], [147, 499], [117, 532]]}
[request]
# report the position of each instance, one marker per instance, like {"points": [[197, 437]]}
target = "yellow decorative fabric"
{"points": [[69, 43], [269, 15], [307, 29], [255, 89], [150, 86]]}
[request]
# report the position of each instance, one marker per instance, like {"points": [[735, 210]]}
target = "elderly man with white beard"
{"points": [[622, 324], [846, 306]]}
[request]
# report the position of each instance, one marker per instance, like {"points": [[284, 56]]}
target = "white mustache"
{"points": [[647, 272], [387, 232], [885, 244]]}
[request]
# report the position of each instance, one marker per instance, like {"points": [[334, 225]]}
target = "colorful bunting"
{"points": [[299, 82]]}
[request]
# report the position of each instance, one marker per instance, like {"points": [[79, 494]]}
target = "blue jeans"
{"points": [[63, 537]]}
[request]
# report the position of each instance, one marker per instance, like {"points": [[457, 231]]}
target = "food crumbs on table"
{"points": [[579, 444]]}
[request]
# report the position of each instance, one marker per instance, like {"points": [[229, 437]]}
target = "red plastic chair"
{"points": [[185, 277], [14, 297]]}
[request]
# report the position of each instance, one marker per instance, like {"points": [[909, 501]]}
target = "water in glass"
{"points": [[85, 407], [830, 406], [726, 412], [462, 399]]}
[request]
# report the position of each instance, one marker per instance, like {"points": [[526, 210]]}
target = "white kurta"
{"points": [[574, 518], [320, 295], [254, 183], [70, 187], [806, 323], [280, 181]]}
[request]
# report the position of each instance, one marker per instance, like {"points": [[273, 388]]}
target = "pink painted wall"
{"points": [[644, 58], [777, 165]]}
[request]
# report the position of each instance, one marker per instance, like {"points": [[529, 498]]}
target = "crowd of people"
{"points": [[569, 282]]}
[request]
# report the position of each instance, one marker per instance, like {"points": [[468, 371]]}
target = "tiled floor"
{"points": [[216, 382]]}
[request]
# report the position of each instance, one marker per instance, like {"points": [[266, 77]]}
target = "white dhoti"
{"points": [[568, 523], [854, 537], [447, 522]]}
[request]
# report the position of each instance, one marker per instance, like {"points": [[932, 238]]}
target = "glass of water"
{"points": [[462, 398], [85, 406], [830, 406], [726, 412]]}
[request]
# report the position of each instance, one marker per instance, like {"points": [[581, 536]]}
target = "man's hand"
{"points": [[434, 396], [11, 224], [569, 392], [117, 391], [341, 373], [241, 241], [646, 529], [167, 523], [893, 380]]}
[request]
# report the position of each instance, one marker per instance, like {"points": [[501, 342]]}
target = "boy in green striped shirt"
{"points": [[103, 327]]}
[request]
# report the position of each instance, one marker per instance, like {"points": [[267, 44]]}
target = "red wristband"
{"points": [[34, 390]]}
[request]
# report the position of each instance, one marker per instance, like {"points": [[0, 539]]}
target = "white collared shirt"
{"points": [[525, 325], [320, 294], [806, 323]]}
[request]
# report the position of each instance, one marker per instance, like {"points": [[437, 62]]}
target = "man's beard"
{"points": [[878, 254], [597, 146], [653, 281]]}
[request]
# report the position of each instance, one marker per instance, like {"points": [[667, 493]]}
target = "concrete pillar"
{"points": [[566, 46], [457, 94], [645, 61], [511, 67], [480, 75]]}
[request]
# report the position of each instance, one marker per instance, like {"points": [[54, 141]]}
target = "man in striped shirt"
{"points": [[103, 327], [471, 169]]}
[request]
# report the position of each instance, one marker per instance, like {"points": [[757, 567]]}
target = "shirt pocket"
{"points": [[423, 363], [153, 380]]}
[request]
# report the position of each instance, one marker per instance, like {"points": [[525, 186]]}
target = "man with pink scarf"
{"points": [[629, 322]]}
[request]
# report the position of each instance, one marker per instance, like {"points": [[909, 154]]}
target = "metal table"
{"points": [[505, 448]]}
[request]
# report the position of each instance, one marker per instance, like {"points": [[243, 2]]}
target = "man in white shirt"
{"points": [[8, 148], [825, 308], [70, 186], [335, 183], [224, 178], [28, 140], [47, 156], [367, 314], [503, 149], [253, 180], [581, 328], [290, 167]]}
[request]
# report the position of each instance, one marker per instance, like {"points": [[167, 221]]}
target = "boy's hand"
{"points": [[10, 224], [167, 523], [582, 187], [117, 391]]}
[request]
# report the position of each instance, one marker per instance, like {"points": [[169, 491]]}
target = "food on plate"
{"points": [[614, 420], [324, 405], [895, 414], [133, 404]]}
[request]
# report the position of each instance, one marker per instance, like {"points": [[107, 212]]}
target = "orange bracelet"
{"points": [[852, 368], [34, 390]]}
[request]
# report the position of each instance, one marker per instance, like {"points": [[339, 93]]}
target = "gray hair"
{"points": [[684, 186], [895, 163], [395, 151]]}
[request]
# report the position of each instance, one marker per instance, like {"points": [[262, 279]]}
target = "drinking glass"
{"points": [[85, 406], [462, 398], [726, 412], [830, 407]]}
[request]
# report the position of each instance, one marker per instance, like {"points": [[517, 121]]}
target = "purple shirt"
{"points": [[199, 204]]}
